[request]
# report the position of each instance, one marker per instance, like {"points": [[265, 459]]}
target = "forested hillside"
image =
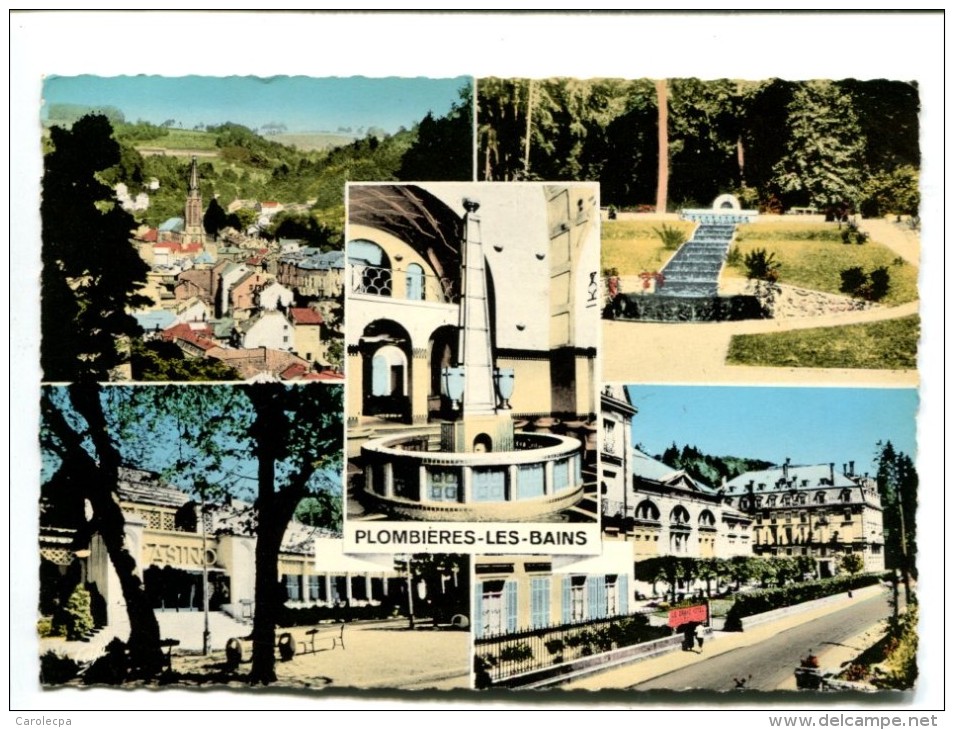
{"points": [[240, 164], [707, 468]]}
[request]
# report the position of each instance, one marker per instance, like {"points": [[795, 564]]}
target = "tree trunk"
{"points": [[662, 180], [275, 510], [526, 144], [102, 479]]}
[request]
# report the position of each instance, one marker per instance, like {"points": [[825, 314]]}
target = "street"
{"points": [[768, 664]]}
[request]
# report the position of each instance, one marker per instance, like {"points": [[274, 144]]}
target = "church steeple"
{"points": [[194, 229], [194, 176]]}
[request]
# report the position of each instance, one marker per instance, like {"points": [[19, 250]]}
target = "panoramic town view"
{"points": [[631, 405], [217, 210]]}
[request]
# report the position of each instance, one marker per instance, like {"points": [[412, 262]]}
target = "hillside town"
{"points": [[269, 310]]}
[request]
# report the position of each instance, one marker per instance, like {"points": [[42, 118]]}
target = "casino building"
{"points": [[174, 545]]}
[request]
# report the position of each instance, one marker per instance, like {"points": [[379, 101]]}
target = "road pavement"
{"points": [[860, 627]]}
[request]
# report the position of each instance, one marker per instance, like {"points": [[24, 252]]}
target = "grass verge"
{"points": [[633, 247], [888, 345], [811, 258]]}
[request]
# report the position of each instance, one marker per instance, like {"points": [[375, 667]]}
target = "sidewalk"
{"points": [[722, 641], [382, 654]]}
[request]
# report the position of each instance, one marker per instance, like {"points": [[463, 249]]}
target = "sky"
{"points": [[301, 103], [810, 425]]}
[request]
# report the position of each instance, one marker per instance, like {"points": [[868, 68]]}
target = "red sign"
{"points": [[680, 616]]}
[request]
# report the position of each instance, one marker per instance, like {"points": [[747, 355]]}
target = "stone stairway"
{"points": [[694, 269]]}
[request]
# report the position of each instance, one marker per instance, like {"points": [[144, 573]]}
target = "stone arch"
{"points": [[726, 201], [387, 369], [442, 352]]}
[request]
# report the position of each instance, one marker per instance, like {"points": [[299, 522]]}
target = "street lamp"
{"points": [[410, 595], [206, 634]]}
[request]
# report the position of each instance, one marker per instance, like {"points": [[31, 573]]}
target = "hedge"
{"points": [[750, 604]]}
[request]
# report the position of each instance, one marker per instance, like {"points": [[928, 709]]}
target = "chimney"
{"points": [[788, 461], [831, 472], [851, 468]]}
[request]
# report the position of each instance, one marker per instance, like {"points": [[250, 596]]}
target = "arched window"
{"points": [[706, 519], [389, 372], [646, 510], [371, 268], [414, 282], [679, 515]]}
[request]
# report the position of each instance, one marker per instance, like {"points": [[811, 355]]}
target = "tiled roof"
{"points": [[813, 476], [154, 319], [646, 467], [305, 315], [143, 487], [172, 224]]}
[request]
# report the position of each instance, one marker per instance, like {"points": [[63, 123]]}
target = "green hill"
{"points": [[707, 468]]}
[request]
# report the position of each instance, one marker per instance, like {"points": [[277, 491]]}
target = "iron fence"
{"points": [[504, 655]]}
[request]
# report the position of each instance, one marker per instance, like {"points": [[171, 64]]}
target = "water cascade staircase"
{"points": [[694, 270], [689, 286]]}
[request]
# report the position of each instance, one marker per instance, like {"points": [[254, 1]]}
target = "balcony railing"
{"points": [[384, 282]]}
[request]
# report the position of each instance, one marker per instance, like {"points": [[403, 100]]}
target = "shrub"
{"points": [[516, 653], [852, 280], [46, 629], [734, 257], [880, 281], [769, 599], [56, 669], [760, 264], [554, 646], [872, 286], [900, 667], [76, 618], [111, 668], [671, 237]]}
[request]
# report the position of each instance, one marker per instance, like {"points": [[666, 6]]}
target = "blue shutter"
{"points": [[567, 615], [539, 602], [622, 587], [593, 596], [510, 599], [601, 608], [478, 617]]}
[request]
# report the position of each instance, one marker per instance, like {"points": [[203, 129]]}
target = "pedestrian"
{"points": [[697, 632], [687, 637]]}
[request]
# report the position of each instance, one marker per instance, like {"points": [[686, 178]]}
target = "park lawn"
{"points": [[633, 247], [817, 264], [888, 345], [788, 230]]}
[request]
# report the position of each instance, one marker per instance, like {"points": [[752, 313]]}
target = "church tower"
{"points": [[194, 231]]}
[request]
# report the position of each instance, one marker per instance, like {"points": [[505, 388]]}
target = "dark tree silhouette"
{"points": [[91, 270], [215, 218], [443, 150]]}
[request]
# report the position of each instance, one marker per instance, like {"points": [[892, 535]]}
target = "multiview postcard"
{"points": [[479, 384]]}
